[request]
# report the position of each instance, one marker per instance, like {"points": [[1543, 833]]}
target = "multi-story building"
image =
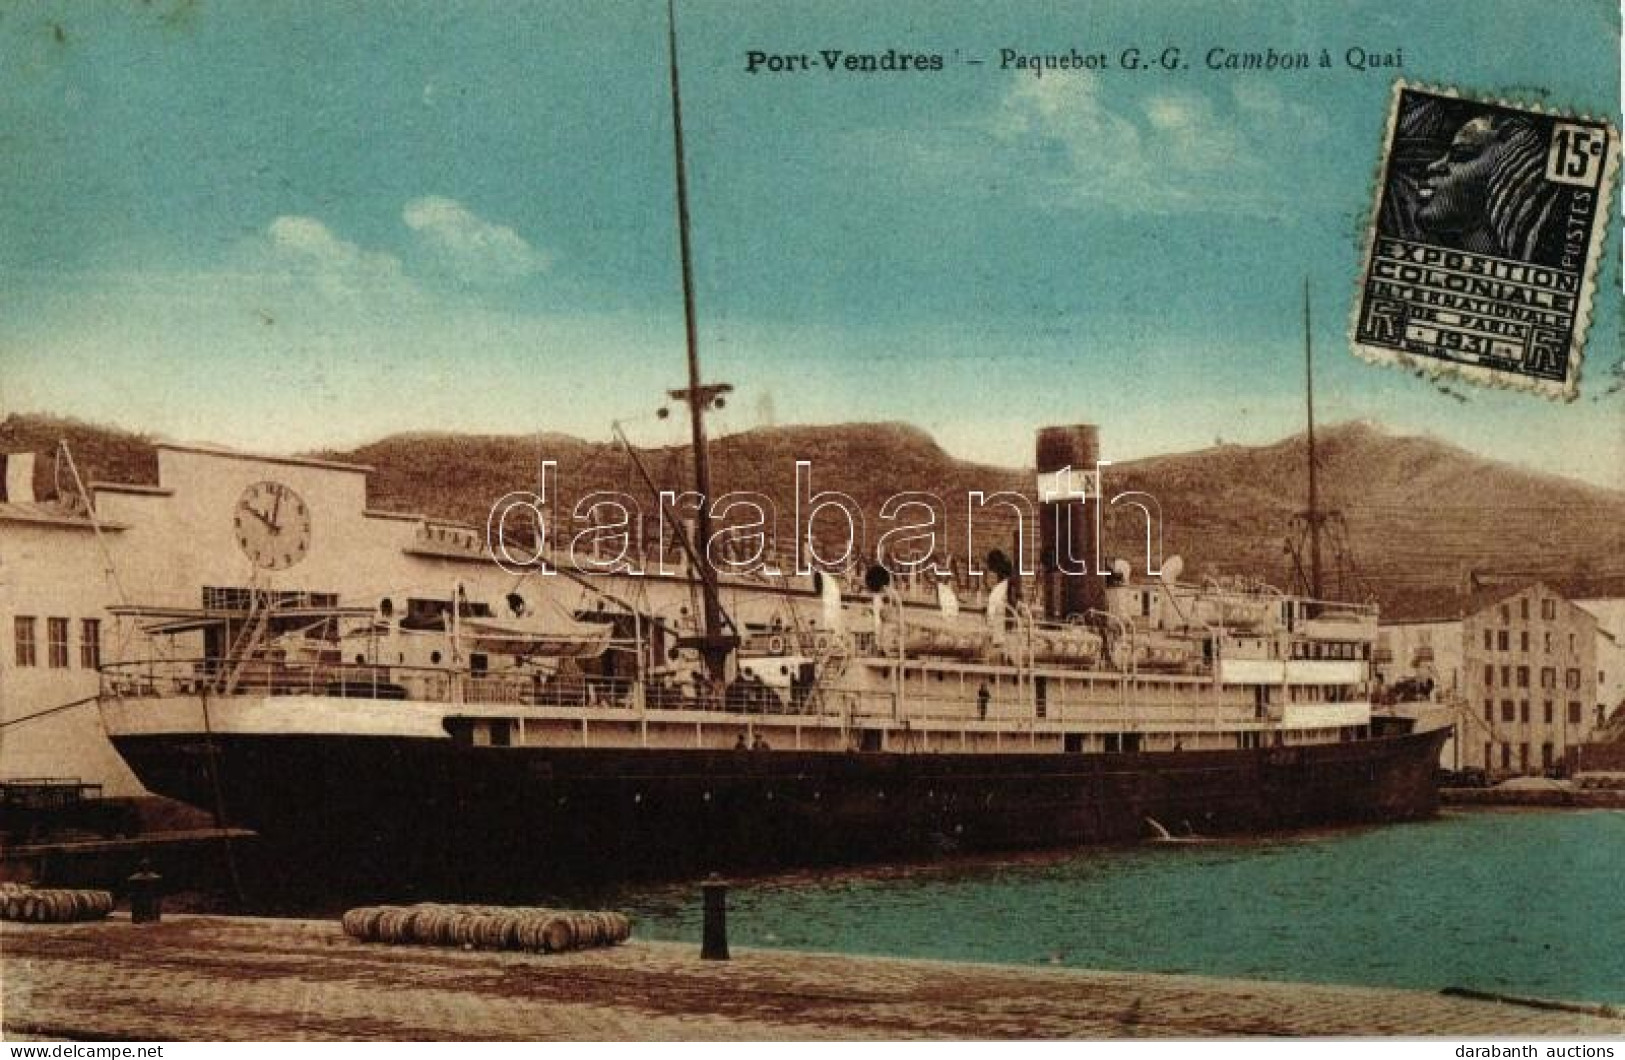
{"points": [[1533, 681], [1524, 674]]}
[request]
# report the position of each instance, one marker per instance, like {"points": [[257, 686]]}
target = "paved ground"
{"points": [[198, 977]]}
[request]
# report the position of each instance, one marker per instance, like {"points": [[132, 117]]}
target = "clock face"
{"points": [[272, 524]]}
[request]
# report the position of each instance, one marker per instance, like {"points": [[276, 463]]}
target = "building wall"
{"points": [[1531, 681], [54, 571]]}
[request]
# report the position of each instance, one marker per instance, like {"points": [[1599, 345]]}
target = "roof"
{"points": [[263, 458]]}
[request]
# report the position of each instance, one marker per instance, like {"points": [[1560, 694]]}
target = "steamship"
{"points": [[449, 741]]}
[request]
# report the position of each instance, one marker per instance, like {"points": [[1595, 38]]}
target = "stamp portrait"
{"points": [[1483, 248]]}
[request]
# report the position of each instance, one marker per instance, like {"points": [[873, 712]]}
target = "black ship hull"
{"points": [[389, 817]]}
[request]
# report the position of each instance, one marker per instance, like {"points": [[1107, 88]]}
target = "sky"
{"points": [[295, 225]]}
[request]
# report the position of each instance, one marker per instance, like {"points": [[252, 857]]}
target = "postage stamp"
{"points": [[1482, 253]]}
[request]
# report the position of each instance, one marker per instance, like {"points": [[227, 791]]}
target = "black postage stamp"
{"points": [[1482, 254]]}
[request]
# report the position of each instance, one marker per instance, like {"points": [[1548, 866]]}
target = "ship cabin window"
{"points": [[1075, 743], [426, 614], [1113, 743], [27, 649], [478, 664], [501, 734], [869, 739]]}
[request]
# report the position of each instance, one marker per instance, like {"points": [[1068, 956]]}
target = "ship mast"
{"points": [[1313, 516], [700, 397]]}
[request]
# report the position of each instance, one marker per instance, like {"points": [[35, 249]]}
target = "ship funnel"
{"points": [[1067, 460]]}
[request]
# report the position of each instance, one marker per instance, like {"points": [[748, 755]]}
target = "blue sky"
{"points": [[297, 224]]}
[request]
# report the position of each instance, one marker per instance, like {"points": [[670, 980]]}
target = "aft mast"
{"points": [[713, 644]]}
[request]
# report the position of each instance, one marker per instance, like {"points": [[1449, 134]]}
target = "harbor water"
{"points": [[1526, 903]]}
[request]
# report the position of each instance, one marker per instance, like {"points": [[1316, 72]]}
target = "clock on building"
{"points": [[272, 525]]}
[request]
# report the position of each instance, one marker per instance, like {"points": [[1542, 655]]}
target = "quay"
{"points": [[1566, 797], [217, 978]]}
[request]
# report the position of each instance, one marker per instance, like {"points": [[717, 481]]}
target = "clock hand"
{"points": [[261, 516], [275, 508]]}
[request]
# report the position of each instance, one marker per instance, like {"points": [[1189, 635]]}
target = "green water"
{"points": [[1527, 903]]}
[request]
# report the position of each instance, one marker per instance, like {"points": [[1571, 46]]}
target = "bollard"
{"points": [[146, 897], [714, 940]]}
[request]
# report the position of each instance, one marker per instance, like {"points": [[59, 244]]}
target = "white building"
{"points": [[65, 572]]}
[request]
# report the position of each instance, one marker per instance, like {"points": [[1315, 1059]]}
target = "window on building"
{"points": [[1548, 705], [1571, 679], [1489, 639], [1506, 757], [1571, 644], [1488, 750], [90, 643], [27, 648], [56, 642], [1551, 644], [1523, 677], [1523, 641], [1506, 677], [1523, 609], [1523, 711], [1548, 610], [1523, 757], [1506, 614], [1574, 713], [1502, 641], [1489, 710], [1546, 756], [1489, 676], [1509, 712], [1548, 677]]}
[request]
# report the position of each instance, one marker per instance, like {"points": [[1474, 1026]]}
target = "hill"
{"points": [[1415, 517]]}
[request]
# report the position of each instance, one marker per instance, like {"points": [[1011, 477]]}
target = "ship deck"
{"points": [[209, 978]]}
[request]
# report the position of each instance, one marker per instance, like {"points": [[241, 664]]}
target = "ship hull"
{"points": [[398, 817]]}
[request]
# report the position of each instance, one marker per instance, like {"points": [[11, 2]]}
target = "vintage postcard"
{"points": [[692, 520]]}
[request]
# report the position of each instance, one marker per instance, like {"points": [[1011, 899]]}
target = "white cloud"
{"points": [[477, 250], [1169, 152], [305, 247]]}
